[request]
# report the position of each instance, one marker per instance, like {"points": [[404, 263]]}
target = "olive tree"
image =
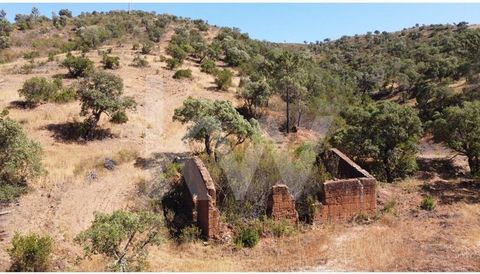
{"points": [[459, 128], [385, 132], [100, 93], [20, 159], [255, 95], [214, 122], [123, 237]]}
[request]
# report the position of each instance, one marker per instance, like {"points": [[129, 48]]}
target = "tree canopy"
{"points": [[123, 237], [459, 128], [102, 92], [385, 133], [214, 122]]}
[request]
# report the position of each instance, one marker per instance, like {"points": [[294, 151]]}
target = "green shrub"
{"points": [[119, 117], [135, 46], [177, 52], [247, 237], [223, 79], [428, 203], [189, 234], [30, 252], [208, 66], [21, 157], [8, 193], [31, 55], [389, 206], [147, 47], [173, 63], [38, 90], [139, 62], [281, 228], [78, 66], [64, 95], [182, 73], [110, 62]]}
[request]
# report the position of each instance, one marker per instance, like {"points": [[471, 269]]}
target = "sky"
{"points": [[288, 22]]}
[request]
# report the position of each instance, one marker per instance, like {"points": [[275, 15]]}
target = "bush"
{"points": [[38, 90], [281, 228], [224, 79], [208, 66], [182, 73], [139, 62], [30, 252], [247, 237], [64, 95], [79, 66], [110, 62], [147, 47], [428, 203], [189, 234], [21, 157], [173, 63], [31, 55], [119, 117]]}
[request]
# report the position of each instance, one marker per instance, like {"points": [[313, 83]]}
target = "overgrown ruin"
{"points": [[349, 193], [203, 194], [281, 205]]}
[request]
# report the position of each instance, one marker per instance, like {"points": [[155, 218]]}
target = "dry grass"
{"points": [[63, 202]]}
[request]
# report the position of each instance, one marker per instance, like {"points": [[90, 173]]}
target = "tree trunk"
{"points": [[299, 117], [288, 111], [93, 125], [388, 171], [208, 147], [474, 164]]}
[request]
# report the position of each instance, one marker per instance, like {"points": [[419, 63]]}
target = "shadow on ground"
{"points": [[447, 192], [158, 159], [444, 167], [75, 132]]}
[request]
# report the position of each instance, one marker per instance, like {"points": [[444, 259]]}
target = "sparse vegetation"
{"points": [[223, 79], [182, 73], [78, 66], [123, 237], [139, 61], [428, 203], [110, 62], [100, 93], [30, 253], [247, 237]]}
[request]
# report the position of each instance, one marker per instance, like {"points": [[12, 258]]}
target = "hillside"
{"points": [[424, 68]]}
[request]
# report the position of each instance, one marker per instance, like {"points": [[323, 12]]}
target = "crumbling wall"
{"points": [[352, 191], [203, 193], [281, 205]]}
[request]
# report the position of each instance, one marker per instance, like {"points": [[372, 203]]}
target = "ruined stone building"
{"points": [[350, 192]]}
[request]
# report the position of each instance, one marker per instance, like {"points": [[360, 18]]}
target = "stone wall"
{"points": [[203, 194], [352, 191], [281, 205]]}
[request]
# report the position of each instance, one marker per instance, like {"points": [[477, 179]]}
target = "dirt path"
{"points": [[64, 202]]}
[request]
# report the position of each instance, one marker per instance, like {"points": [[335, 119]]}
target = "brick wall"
{"points": [[203, 194], [352, 191], [281, 205]]}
